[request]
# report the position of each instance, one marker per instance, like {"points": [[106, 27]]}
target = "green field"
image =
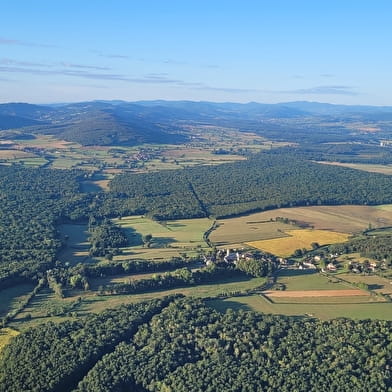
{"points": [[378, 284], [46, 302], [381, 311], [302, 280], [358, 307], [169, 239]]}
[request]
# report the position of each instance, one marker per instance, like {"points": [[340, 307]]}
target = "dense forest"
{"points": [[53, 357], [183, 345], [105, 238], [264, 181], [32, 202]]}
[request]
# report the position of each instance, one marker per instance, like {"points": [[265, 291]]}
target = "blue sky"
{"points": [[216, 50]]}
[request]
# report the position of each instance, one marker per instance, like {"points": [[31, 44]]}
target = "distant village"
{"points": [[325, 263]]}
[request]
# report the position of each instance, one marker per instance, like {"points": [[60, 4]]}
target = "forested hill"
{"points": [[130, 123], [265, 181], [189, 347]]}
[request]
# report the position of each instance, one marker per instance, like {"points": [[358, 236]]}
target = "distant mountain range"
{"points": [[131, 123]]}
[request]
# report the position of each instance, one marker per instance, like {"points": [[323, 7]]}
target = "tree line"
{"points": [[186, 277]]}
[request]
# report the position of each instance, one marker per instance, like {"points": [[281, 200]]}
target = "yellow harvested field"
{"points": [[6, 334], [298, 239]]}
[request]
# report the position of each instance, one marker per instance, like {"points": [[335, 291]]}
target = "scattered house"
{"points": [[331, 267], [317, 258], [232, 256], [209, 262], [283, 262]]}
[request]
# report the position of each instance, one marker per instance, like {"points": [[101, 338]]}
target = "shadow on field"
{"points": [[134, 237], [375, 286], [222, 306]]}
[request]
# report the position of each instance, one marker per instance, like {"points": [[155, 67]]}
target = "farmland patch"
{"points": [[298, 239]]}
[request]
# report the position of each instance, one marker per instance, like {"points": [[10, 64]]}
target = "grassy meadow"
{"points": [[308, 280], [323, 311], [169, 239]]}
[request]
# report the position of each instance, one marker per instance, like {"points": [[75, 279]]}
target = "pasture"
{"points": [[169, 239], [323, 311], [294, 280], [298, 239]]}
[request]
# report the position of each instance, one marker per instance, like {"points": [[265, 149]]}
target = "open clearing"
{"points": [[169, 239], [345, 219], [372, 310], [298, 239], [77, 245]]}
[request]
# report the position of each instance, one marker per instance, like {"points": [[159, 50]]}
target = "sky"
{"points": [[217, 50]]}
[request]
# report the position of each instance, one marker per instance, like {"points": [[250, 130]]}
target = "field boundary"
{"points": [[315, 293]]}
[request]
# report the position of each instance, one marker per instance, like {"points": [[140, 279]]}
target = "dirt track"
{"points": [[314, 293]]}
